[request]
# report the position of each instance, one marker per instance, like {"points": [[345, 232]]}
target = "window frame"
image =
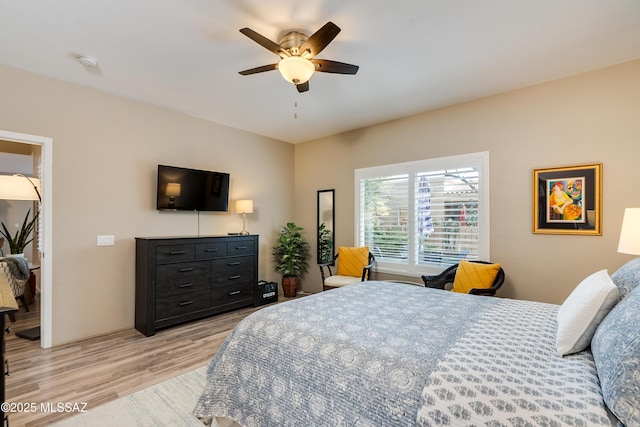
{"points": [[413, 268]]}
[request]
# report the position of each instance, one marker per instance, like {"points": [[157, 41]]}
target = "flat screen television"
{"points": [[182, 189]]}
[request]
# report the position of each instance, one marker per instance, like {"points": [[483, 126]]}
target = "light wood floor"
{"points": [[104, 368]]}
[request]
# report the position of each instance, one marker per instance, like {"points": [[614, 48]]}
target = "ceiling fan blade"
{"points": [[264, 42], [320, 39], [327, 66], [303, 87], [261, 69]]}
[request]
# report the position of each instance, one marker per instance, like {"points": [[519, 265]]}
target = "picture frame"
{"points": [[568, 200]]}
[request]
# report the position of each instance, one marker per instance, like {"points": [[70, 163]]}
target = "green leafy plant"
{"points": [[291, 251], [21, 238]]}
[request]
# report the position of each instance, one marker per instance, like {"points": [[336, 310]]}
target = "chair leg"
{"points": [[24, 302], [12, 317]]}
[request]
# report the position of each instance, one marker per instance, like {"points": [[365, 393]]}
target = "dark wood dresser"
{"points": [[179, 279]]}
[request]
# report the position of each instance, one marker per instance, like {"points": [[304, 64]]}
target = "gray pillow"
{"points": [[616, 351], [627, 277]]}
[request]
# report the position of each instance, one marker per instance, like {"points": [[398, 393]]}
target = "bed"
{"points": [[391, 354]]}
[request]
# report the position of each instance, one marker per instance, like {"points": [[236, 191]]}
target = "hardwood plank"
{"points": [[100, 369]]}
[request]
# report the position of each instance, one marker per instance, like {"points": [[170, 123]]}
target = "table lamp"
{"points": [[244, 207], [629, 242]]}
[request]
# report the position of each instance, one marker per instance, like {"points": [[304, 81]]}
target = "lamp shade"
{"points": [[173, 189], [296, 70], [630, 233], [244, 206], [18, 187]]}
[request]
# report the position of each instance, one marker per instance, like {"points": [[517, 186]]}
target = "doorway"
{"points": [[46, 162]]}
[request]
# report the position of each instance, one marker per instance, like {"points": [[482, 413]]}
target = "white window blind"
{"points": [[421, 217], [385, 212]]}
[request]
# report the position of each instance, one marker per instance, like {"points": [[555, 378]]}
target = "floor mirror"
{"points": [[326, 226]]}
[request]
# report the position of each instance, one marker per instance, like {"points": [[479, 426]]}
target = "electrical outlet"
{"points": [[105, 240]]}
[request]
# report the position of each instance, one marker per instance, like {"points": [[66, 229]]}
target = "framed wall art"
{"points": [[568, 200]]}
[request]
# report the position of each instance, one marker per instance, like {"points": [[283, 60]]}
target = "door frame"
{"points": [[46, 300]]}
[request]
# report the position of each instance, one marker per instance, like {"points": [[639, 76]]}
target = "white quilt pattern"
{"points": [[497, 375]]}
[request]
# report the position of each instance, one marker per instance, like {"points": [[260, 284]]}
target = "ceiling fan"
{"points": [[297, 53]]}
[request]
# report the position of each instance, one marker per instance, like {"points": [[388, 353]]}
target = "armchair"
{"points": [[356, 267], [441, 280]]}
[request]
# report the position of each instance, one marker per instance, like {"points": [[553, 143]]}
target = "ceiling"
{"points": [[414, 55]]}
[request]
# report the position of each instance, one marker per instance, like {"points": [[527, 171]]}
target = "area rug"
{"points": [[168, 403]]}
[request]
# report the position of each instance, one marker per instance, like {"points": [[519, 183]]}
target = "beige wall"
{"points": [[105, 152], [588, 118]]}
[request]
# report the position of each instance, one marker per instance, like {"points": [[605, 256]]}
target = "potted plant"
{"points": [[21, 238], [291, 252]]}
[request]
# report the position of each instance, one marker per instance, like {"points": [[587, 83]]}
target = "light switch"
{"points": [[106, 240]]}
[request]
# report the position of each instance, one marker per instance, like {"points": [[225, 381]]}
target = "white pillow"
{"points": [[583, 310]]}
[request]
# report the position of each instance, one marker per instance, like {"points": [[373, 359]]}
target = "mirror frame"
{"points": [[321, 208]]}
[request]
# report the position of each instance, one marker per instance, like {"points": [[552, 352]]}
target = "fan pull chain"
{"points": [[295, 113]]}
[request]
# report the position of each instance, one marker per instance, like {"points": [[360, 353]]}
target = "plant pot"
{"points": [[290, 286], [16, 255]]}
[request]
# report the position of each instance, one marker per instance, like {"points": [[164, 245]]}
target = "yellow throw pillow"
{"points": [[472, 275], [351, 261]]}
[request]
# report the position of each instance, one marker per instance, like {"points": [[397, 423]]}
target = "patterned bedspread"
{"points": [[389, 354]]}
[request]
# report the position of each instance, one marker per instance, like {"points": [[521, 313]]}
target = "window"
{"points": [[421, 217]]}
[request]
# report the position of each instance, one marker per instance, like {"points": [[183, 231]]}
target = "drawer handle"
{"points": [[231, 264], [211, 250], [237, 276], [241, 247], [185, 270], [185, 285], [234, 293], [176, 253], [185, 303]]}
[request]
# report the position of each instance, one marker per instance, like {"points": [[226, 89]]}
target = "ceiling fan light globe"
{"points": [[296, 70]]}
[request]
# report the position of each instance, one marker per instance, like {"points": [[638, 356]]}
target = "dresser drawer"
{"points": [[182, 304], [175, 253], [232, 270], [211, 250], [241, 291], [175, 279], [240, 247]]}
